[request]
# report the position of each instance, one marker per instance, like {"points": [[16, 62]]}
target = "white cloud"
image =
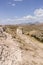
{"points": [[38, 12], [29, 17], [11, 4], [37, 17], [18, 0]]}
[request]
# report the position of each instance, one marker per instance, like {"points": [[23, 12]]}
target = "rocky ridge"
{"points": [[20, 51]]}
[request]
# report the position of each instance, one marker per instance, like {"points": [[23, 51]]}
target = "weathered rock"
{"points": [[19, 31], [24, 51], [2, 33]]}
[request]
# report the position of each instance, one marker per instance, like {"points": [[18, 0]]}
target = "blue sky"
{"points": [[20, 11]]}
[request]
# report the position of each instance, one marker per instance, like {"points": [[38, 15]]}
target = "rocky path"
{"points": [[10, 53], [23, 51]]}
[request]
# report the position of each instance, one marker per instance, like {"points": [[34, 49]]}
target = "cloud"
{"points": [[18, 0], [11, 4], [36, 17], [29, 17], [38, 12]]}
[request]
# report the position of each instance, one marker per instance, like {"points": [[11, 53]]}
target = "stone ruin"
{"points": [[19, 31]]}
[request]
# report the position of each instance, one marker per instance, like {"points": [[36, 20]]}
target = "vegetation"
{"points": [[34, 30], [11, 29], [27, 29]]}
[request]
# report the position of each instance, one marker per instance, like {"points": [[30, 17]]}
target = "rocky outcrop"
{"points": [[22, 51], [32, 50], [2, 33], [10, 53]]}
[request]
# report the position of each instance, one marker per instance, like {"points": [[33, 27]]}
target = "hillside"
{"points": [[18, 46], [27, 29]]}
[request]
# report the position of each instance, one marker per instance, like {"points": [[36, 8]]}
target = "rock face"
{"points": [[1, 32], [24, 51], [32, 51], [10, 53]]}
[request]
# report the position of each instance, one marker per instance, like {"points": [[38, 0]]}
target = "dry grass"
{"points": [[11, 29], [26, 30], [34, 30]]}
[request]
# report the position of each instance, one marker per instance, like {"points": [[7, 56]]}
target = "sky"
{"points": [[21, 11]]}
